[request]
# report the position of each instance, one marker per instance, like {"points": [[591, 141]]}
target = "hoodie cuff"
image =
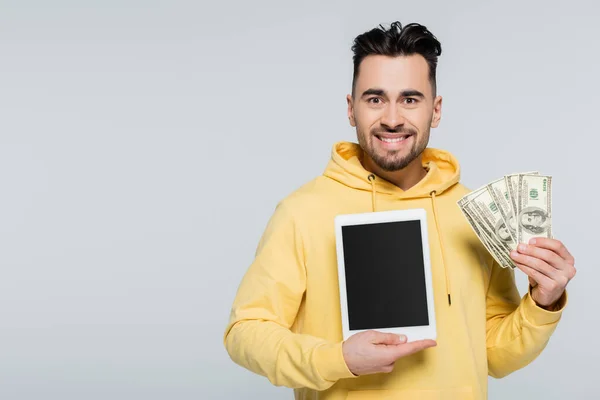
{"points": [[330, 363], [537, 315]]}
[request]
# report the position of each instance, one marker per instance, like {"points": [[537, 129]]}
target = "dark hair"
{"points": [[397, 41]]}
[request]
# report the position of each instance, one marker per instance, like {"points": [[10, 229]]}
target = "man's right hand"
{"points": [[371, 352]]}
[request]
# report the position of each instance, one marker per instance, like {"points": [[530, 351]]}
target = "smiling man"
{"points": [[285, 323]]}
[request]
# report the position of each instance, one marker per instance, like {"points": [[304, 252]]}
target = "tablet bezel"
{"points": [[418, 214]]}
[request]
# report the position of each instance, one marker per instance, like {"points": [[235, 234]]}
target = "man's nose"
{"points": [[392, 117]]}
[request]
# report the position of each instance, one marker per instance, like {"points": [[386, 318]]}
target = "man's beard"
{"points": [[391, 160]]}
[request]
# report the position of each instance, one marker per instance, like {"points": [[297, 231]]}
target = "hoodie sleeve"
{"points": [[258, 336], [517, 329]]}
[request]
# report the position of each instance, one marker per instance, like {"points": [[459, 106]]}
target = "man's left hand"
{"points": [[549, 266]]}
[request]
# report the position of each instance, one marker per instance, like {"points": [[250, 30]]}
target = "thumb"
{"points": [[388, 338]]}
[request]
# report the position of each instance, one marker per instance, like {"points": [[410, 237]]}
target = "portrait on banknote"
{"points": [[534, 220]]}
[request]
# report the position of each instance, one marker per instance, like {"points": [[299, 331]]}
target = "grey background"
{"points": [[144, 145]]}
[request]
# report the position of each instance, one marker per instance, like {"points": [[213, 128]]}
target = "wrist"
{"points": [[346, 357], [551, 306]]}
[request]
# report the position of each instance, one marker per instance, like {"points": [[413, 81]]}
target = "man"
{"points": [[285, 323]]}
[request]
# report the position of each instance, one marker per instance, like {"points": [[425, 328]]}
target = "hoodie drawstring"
{"points": [[437, 226], [371, 179]]}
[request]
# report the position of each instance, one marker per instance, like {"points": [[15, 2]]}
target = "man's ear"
{"points": [[437, 112], [350, 110]]}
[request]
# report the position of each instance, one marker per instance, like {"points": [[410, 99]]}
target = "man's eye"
{"points": [[410, 100], [374, 100]]}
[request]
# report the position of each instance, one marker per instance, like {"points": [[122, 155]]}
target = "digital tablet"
{"points": [[385, 273]]}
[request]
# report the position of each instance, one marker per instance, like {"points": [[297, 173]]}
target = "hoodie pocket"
{"points": [[462, 393]]}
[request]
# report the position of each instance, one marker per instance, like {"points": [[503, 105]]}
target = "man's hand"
{"points": [[371, 352], [550, 268]]}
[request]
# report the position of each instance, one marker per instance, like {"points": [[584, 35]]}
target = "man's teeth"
{"points": [[393, 140]]}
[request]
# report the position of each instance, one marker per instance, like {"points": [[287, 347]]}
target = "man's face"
{"points": [[532, 219], [393, 109]]}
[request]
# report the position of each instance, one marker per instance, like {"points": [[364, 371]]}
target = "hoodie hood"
{"points": [[443, 172]]}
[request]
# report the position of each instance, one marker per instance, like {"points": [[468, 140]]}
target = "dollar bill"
{"points": [[489, 246], [499, 192], [470, 196], [489, 214], [509, 211], [471, 218], [482, 230], [534, 207], [512, 187]]}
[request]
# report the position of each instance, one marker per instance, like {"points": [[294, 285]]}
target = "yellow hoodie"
{"points": [[285, 323]]}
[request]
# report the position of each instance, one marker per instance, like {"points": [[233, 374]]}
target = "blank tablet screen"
{"points": [[385, 278]]}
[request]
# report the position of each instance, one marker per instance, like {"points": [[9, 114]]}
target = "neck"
{"points": [[405, 178]]}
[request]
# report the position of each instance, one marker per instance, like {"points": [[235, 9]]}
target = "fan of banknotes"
{"points": [[509, 211]]}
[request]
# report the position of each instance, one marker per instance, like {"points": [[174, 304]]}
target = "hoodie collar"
{"points": [[346, 168]]}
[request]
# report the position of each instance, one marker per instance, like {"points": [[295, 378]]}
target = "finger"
{"points": [[556, 246], [535, 263], [414, 347], [388, 338], [549, 256], [537, 276]]}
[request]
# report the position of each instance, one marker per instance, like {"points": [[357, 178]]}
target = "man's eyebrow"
{"points": [[412, 93], [404, 93], [373, 92]]}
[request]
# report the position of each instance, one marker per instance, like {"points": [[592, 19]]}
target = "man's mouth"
{"points": [[393, 138]]}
